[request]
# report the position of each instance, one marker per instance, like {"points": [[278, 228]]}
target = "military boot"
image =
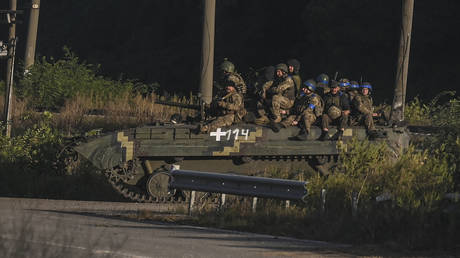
{"points": [[301, 137], [324, 136], [337, 136], [263, 120], [276, 127]]}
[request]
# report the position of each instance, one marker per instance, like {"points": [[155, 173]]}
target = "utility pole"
{"points": [[399, 100], [10, 67], [31, 35], [207, 59]]}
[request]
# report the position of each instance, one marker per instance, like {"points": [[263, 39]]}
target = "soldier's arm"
{"points": [[345, 102], [239, 82], [360, 106], [286, 85], [236, 104], [264, 89], [314, 102]]}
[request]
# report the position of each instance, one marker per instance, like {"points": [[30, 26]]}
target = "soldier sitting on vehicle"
{"points": [[353, 90], [228, 73], [293, 71], [263, 99], [307, 107], [337, 108], [230, 109], [363, 110], [279, 96], [322, 84]]}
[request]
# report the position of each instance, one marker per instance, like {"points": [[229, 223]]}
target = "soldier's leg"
{"points": [[261, 108], [280, 102], [325, 121], [308, 120], [221, 121], [275, 108], [369, 122], [288, 121], [343, 122]]}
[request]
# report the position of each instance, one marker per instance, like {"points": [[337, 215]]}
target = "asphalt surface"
{"points": [[57, 228]]}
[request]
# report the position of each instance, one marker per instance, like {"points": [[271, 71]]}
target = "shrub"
{"points": [[35, 150], [51, 82]]}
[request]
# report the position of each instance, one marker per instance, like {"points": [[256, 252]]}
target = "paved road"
{"points": [[51, 228]]}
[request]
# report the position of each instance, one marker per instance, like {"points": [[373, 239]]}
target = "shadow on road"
{"points": [[280, 245]]}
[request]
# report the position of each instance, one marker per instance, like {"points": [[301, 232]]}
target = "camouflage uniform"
{"points": [[240, 85], [295, 64], [231, 109], [306, 108], [283, 91], [264, 100], [363, 110], [297, 82], [352, 94], [334, 105]]}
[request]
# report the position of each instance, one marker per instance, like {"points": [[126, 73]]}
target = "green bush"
{"points": [[35, 150], [51, 82]]}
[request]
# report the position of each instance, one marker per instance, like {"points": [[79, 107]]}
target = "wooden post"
{"points": [[207, 59], [402, 67], [254, 204], [222, 202], [29, 57], [323, 200], [10, 69], [191, 206]]}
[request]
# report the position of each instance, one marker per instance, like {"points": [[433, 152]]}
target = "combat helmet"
{"points": [[227, 66], [354, 85], [294, 63], [283, 67], [323, 78], [310, 85], [344, 83], [334, 112], [367, 85]]}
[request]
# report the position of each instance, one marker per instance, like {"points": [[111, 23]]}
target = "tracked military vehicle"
{"points": [[136, 161]]}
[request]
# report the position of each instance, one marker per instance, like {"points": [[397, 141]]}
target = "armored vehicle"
{"points": [[137, 161]]}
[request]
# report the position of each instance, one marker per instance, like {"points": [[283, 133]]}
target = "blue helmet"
{"points": [[366, 85], [310, 84], [354, 85], [343, 83], [322, 78]]}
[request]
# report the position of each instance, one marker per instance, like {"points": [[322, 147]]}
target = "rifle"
{"points": [[200, 107], [335, 76]]}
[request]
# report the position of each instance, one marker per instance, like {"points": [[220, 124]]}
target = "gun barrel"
{"points": [[177, 104]]}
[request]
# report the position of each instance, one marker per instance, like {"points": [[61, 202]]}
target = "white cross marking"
{"points": [[218, 133]]}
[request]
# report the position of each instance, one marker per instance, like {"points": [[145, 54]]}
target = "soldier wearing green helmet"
{"points": [[281, 95], [230, 109], [293, 71], [228, 73], [322, 84]]}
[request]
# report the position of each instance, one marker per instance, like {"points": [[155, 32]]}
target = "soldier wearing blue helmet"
{"points": [[363, 109], [307, 108]]}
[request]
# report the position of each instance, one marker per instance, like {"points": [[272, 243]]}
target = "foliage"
{"points": [[412, 217], [434, 113], [35, 150], [417, 113], [51, 82]]}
